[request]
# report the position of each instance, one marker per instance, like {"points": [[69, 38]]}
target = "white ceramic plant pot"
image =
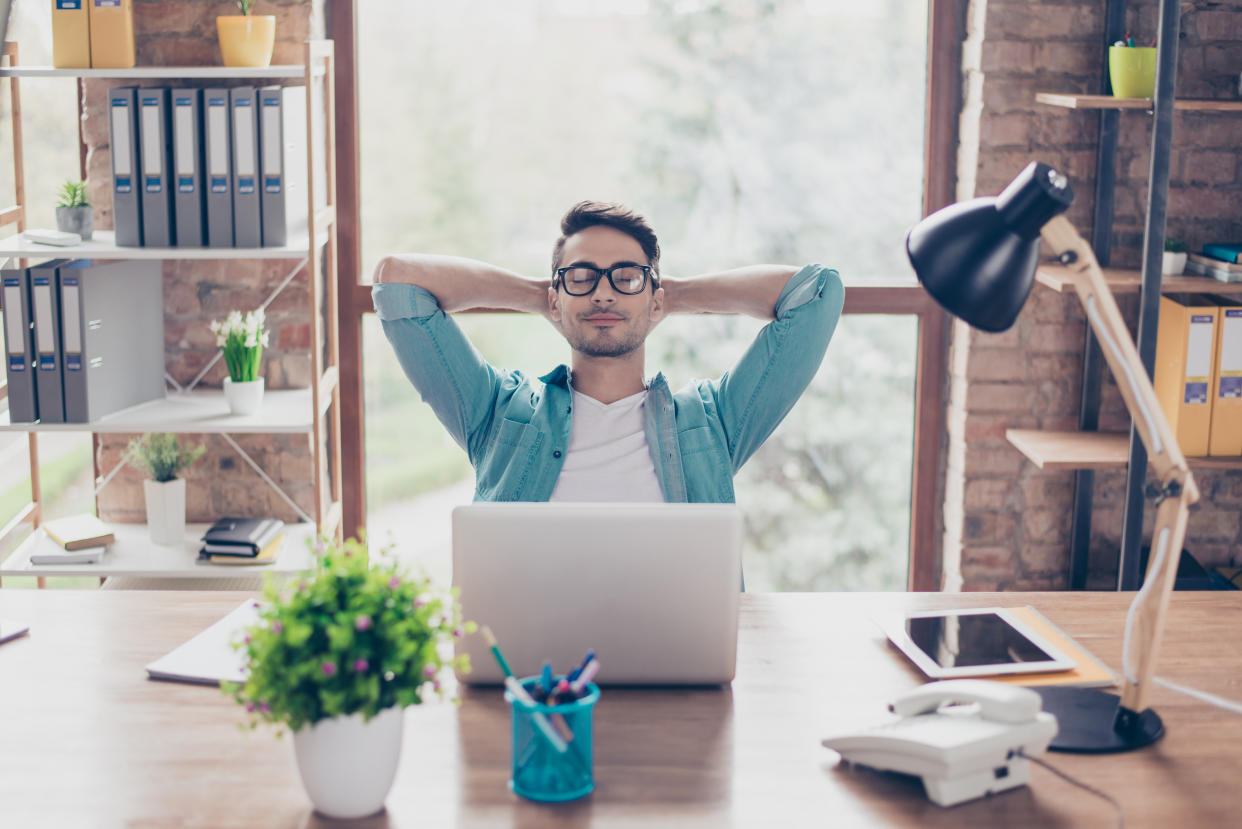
{"points": [[165, 510], [347, 765], [244, 398], [1173, 264]]}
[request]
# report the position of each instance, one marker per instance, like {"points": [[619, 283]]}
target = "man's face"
{"points": [[605, 323]]}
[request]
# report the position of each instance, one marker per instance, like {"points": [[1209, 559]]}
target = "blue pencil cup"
{"points": [[540, 771]]}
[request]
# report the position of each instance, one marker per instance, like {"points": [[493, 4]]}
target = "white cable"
{"points": [[1103, 334], [1152, 573], [1121, 813], [1202, 696]]}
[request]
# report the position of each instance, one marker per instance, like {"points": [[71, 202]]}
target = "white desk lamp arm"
{"points": [[1148, 609]]}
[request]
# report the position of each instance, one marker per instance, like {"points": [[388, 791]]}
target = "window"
{"points": [[743, 131]]}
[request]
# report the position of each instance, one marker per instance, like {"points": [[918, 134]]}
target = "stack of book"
{"points": [[1220, 260], [239, 541], [79, 539]]}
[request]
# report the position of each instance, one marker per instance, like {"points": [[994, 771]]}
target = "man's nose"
{"points": [[603, 293]]}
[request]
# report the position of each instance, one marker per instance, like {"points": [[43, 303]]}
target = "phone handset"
{"points": [[997, 701]]}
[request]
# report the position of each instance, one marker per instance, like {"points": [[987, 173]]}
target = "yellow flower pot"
{"points": [[1132, 71], [246, 40]]}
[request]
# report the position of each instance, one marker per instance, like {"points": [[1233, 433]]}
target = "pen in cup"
{"points": [[521, 695]]}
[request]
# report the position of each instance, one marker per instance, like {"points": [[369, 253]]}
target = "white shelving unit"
{"points": [[314, 411]]}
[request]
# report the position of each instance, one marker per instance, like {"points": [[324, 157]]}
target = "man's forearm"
{"points": [[752, 291], [459, 284]]}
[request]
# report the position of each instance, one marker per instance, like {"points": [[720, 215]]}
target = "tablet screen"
{"points": [[960, 640]]}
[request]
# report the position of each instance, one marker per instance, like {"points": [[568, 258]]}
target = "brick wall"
{"points": [[183, 33], [1007, 522]]}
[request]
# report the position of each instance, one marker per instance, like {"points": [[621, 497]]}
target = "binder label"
{"points": [[47, 362], [153, 184], [1199, 347], [219, 184], [69, 5], [1231, 388], [271, 184], [1196, 392], [104, 4], [245, 184], [185, 184], [17, 363], [73, 362], [123, 184]]}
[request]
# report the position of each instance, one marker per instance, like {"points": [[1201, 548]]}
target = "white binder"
{"points": [[282, 138], [155, 135], [123, 137]]}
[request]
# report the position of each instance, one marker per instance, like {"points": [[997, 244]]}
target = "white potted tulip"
{"points": [[1173, 261], [161, 457], [336, 657], [242, 338]]}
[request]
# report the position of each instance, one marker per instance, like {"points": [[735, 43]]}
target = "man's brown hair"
{"points": [[586, 214]]}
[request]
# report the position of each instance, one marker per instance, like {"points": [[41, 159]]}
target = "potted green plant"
{"points": [[242, 338], [74, 213], [1173, 261], [335, 658], [161, 456], [246, 39]]}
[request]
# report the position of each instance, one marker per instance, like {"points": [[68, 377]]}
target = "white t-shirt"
{"points": [[607, 459]]}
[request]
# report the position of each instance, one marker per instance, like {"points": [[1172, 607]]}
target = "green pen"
{"points": [[491, 643]]}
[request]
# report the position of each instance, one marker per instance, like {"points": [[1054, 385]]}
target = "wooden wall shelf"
{"points": [[1090, 450], [1073, 101], [1062, 279]]}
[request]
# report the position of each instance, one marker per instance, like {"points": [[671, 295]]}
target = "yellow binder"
{"points": [[112, 34], [71, 34], [1225, 437], [1185, 354]]}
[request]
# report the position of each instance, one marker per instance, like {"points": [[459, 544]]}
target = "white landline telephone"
{"points": [[965, 737]]}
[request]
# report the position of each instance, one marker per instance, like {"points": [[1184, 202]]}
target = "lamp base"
{"points": [[1091, 721]]}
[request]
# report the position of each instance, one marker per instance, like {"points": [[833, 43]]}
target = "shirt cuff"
{"points": [[802, 287], [400, 300]]}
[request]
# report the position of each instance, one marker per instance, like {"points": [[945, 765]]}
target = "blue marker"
{"points": [[545, 679], [578, 670]]}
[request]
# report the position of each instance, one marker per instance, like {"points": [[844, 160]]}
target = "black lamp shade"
{"points": [[977, 258]]}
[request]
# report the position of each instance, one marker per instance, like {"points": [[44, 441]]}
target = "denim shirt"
{"points": [[515, 429]]}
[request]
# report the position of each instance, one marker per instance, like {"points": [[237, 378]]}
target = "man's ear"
{"points": [[657, 305], [554, 304]]}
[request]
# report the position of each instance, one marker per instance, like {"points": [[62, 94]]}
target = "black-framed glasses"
{"points": [[580, 280]]}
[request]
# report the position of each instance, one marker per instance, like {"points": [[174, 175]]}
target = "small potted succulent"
{"points": [[242, 338], [335, 658], [74, 213], [246, 39], [161, 457], [1173, 262]]}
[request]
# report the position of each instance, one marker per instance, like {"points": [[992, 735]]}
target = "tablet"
{"points": [[987, 641]]}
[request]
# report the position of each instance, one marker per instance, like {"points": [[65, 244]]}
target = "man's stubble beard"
{"points": [[605, 347]]}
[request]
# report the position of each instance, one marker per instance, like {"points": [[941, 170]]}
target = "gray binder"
{"points": [[123, 140], [247, 224], [112, 327], [218, 168], [45, 313], [19, 345], [155, 140], [187, 146], [282, 163]]}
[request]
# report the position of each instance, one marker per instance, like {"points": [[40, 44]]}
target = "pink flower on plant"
{"points": [[363, 622], [360, 665], [320, 546], [394, 582], [420, 601], [264, 707], [458, 633], [329, 669], [277, 627], [250, 707], [429, 671]]}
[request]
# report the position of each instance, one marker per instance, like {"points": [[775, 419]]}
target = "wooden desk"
{"points": [[87, 740]]}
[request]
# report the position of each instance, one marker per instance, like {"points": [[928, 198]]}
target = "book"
{"points": [[79, 531], [1222, 250], [49, 552], [1090, 671], [209, 657], [1215, 268], [241, 536], [267, 555]]}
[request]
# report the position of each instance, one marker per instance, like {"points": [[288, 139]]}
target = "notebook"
{"points": [[209, 657], [78, 531], [652, 588]]}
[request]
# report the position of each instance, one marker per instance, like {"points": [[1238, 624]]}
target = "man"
{"points": [[597, 430]]}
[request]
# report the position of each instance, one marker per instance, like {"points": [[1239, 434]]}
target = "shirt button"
{"points": [[557, 453]]}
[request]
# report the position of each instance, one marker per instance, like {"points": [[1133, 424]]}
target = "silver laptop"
{"points": [[652, 588]]}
